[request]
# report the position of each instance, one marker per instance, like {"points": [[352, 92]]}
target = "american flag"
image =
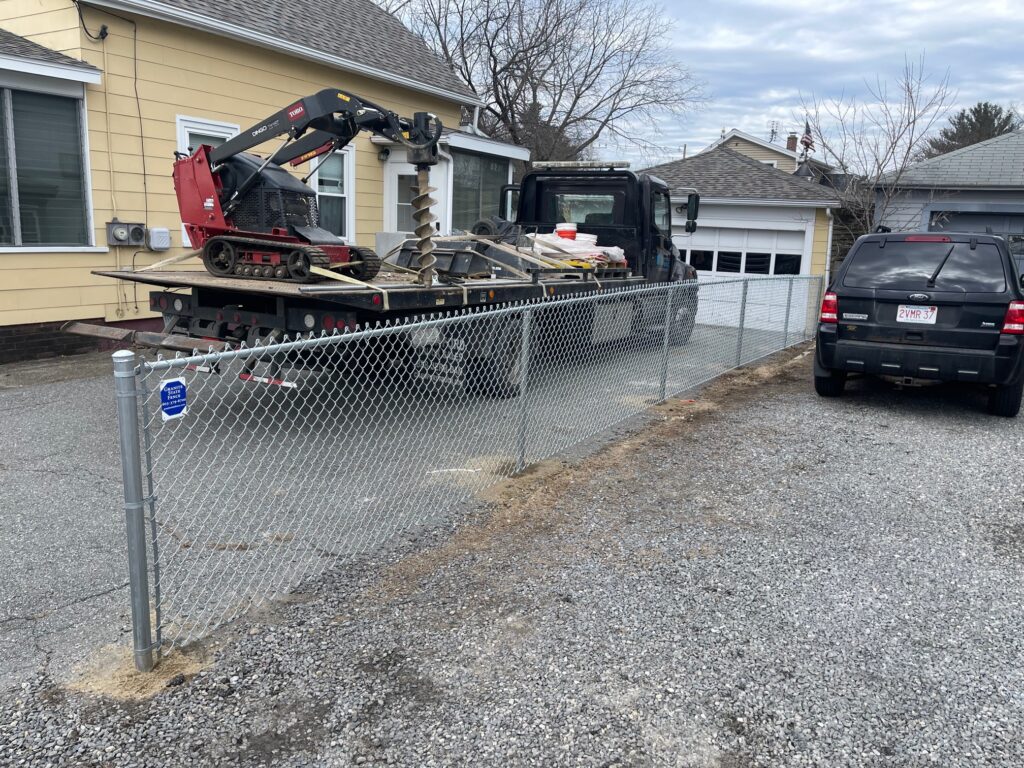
{"points": [[807, 140]]}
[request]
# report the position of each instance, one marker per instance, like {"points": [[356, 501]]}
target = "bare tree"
{"points": [[557, 75], [870, 143]]}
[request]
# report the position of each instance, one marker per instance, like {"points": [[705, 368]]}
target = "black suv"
{"points": [[946, 307]]}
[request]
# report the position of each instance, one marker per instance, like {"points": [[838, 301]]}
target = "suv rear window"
{"points": [[903, 265]]}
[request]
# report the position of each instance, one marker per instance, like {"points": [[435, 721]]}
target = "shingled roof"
{"points": [[21, 48], [722, 173], [355, 35], [994, 164]]}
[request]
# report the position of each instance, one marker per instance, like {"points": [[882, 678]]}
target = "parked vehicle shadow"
{"points": [[870, 391]]}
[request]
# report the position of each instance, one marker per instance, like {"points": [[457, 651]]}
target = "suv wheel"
{"points": [[1005, 400], [830, 385]]}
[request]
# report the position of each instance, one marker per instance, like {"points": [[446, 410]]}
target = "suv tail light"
{"points": [[1014, 320], [830, 309]]}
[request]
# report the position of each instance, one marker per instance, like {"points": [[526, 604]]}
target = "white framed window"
{"points": [[194, 131], [44, 173], [772, 163], [334, 181]]}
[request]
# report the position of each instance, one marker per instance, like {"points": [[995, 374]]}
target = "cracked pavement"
{"points": [[63, 584]]}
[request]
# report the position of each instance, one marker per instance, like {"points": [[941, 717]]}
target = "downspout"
{"points": [[474, 126]]}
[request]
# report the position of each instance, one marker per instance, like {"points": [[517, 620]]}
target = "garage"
{"points": [[755, 222]]}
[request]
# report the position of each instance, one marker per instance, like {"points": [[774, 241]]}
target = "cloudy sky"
{"points": [[757, 56]]}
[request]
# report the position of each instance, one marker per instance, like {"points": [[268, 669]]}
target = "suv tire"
{"points": [[1005, 400], [831, 384]]}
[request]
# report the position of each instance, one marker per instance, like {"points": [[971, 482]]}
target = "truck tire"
{"points": [[497, 371], [684, 318], [1005, 400], [831, 384]]}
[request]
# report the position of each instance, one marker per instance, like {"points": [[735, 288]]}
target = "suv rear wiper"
{"points": [[935, 274]]}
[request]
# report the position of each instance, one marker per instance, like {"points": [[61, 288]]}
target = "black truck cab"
{"points": [[622, 208]]}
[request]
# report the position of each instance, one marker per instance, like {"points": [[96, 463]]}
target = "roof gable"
{"points": [[343, 34], [995, 163], [15, 49], [722, 173]]}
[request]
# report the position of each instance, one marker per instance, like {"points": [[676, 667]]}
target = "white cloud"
{"points": [[758, 56]]}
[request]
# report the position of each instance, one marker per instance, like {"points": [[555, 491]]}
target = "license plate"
{"points": [[912, 313]]}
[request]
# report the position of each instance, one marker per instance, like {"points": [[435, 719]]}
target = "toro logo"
{"points": [[296, 111]]}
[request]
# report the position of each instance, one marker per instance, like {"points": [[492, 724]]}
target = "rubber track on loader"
{"points": [[317, 257]]}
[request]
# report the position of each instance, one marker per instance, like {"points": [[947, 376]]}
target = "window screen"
{"points": [[50, 169], [406, 192], [6, 225], [903, 265], [332, 195], [476, 188]]}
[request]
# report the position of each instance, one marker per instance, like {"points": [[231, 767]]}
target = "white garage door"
{"points": [[724, 253], [721, 250]]}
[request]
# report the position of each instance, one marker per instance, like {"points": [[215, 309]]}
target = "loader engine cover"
{"points": [[276, 201]]}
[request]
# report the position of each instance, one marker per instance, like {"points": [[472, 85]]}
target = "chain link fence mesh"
{"points": [[292, 455]]}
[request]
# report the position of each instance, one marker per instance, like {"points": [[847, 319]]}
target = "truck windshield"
{"points": [[903, 265]]}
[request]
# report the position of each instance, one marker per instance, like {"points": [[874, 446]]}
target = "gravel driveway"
{"points": [[759, 577]]}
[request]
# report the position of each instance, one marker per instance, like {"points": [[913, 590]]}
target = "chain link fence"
{"points": [[247, 472]]}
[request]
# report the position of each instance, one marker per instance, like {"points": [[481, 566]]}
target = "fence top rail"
{"points": [[450, 318]]}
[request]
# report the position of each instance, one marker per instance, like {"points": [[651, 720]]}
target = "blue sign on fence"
{"points": [[173, 399]]}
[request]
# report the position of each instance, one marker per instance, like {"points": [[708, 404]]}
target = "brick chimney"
{"points": [[791, 142]]}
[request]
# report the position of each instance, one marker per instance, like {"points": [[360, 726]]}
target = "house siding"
{"points": [[911, 209], [177, 71], [763, 155]]}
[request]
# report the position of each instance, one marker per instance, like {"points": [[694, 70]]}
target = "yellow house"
{"points": [[785, 158], [96, 96]]}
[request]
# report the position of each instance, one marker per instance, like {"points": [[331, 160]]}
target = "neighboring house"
{"points": [[968, 190], [785, 158], [94, 108]]}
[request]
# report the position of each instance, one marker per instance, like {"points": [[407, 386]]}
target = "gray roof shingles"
{"points": [[356, 30], [995, 163], [723, 174], [22, 48]]}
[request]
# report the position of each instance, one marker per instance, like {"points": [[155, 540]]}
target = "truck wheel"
{"points": [[497, 372], [684, 318], [831, 384], [1005, 400]]}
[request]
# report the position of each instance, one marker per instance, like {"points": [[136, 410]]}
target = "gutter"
{"points": [[194, 20], [771, 203]]}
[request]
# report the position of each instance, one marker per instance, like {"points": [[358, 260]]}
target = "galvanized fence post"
{"points": [[789, 303], [669, 309], [125, 387], [524, 377], [743, 322]]}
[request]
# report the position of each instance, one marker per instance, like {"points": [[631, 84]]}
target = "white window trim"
{"points": [[184, 125], [349, 153], [772, 163], [72, 90]]}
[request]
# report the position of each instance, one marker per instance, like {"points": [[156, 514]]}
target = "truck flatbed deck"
{"points": [[391, 291]]}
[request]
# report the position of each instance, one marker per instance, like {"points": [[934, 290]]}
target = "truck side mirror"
{"points": [[692, 206]]}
